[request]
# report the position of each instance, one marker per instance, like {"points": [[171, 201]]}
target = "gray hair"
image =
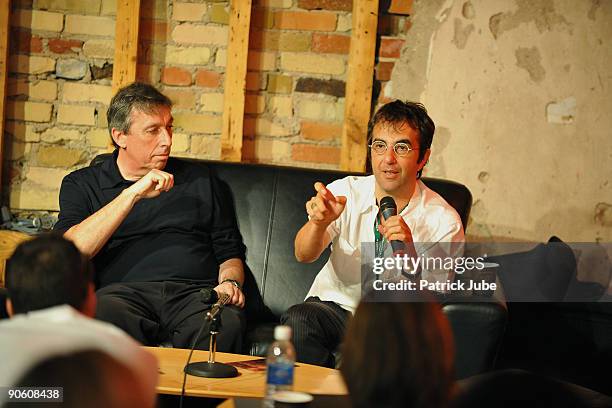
{"points": [[136, 96]]}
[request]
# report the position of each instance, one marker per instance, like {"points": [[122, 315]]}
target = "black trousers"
{"points": [[160, 312], [318, 330]]}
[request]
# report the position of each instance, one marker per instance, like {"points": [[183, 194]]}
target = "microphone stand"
{"points": [[211, 368]]}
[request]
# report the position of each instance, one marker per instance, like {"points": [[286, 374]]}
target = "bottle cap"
{"points": [[282, 333]]}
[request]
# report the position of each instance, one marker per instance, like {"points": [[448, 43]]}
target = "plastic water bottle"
{"points": [[280, 362]]}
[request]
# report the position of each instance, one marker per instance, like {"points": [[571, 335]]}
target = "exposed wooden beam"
{"points": [[359, 85], [235, 80], [126, 43], [5, 11]]}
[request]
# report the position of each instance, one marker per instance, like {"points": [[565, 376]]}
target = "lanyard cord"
{"points": [[379, 241]]}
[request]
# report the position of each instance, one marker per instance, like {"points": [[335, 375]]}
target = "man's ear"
{"points": [[119, 137], [425, 159], [9, 307]]}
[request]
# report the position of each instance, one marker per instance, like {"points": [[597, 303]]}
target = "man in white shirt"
{"points": [[52, 304], [345, 214]]}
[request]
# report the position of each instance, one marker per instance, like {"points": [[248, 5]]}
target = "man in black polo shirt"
{"points": [[158, 230]]}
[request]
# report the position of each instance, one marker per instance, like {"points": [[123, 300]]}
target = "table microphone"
{"points": [[210, 296], [218, 306], [210, 368], [388, 208]]}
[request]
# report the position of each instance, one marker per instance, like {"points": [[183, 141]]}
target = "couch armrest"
{"points": [[478, 329]]}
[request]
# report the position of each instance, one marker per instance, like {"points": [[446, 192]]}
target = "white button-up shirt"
{"points": [[430, 219]]}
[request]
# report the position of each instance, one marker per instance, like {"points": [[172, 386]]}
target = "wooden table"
{"points": [[249, 384]]}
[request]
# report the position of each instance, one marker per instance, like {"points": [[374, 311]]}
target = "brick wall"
{"points": [[61, 67]]}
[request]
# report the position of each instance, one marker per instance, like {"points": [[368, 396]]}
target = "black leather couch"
{"points": [[270, 207]]}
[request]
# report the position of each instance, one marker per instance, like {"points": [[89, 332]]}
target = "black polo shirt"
{"points": [[181, 235]]}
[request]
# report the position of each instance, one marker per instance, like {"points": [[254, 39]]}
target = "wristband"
{"points": [[233, 282]]}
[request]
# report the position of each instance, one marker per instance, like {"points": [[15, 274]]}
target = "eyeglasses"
{"points": [[400, 148]]}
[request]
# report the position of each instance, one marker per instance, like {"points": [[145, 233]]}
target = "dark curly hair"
{"points": [[398, 114]]}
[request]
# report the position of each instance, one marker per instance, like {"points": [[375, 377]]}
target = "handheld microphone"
{"points": [[388, 208]]}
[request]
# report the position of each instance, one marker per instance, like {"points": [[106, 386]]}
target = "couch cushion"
{"points": [[269, 203]]}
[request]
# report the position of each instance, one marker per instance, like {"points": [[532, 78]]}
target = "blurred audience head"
{"points": [[399, 354], [49, 271], [89, 378]]}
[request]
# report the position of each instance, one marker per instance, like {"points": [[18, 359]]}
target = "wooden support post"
{"points": [[235, 80], [359, 85], [126, 43], [5, 11]]}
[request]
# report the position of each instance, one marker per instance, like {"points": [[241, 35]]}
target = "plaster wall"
{"points": [[520, 93]]}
